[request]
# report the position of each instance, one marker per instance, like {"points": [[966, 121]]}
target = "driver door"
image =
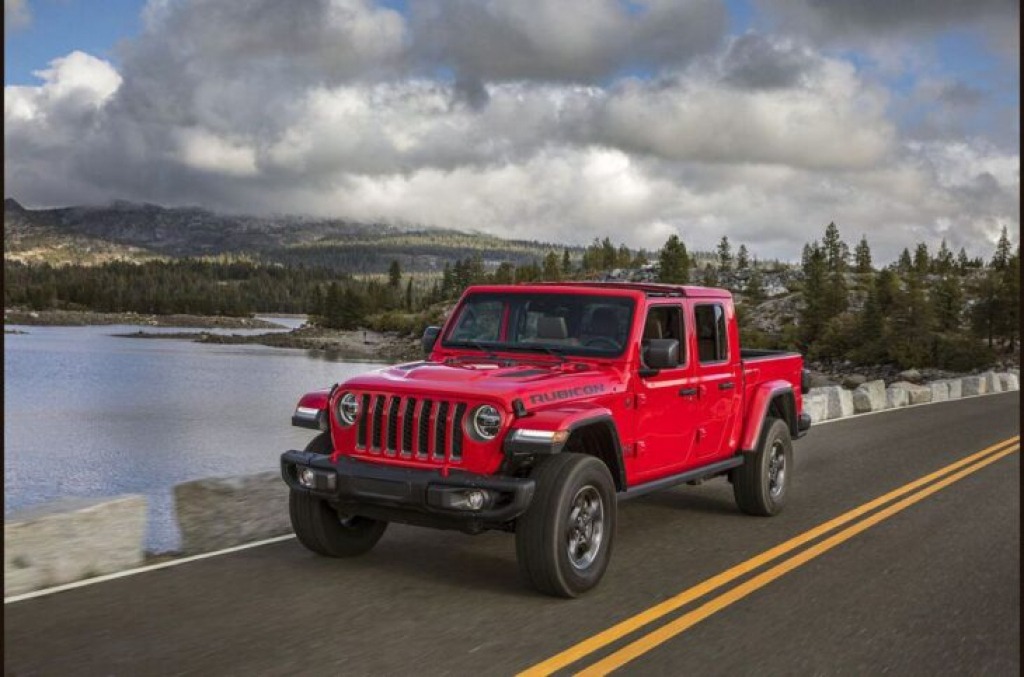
{"points": [[665, 410]]}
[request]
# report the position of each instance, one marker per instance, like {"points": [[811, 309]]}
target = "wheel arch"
{"points": [[599, 437], [590, 431], [774, 399]]}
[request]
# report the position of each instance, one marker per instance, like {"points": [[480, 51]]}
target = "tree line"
{"points": [[924, 310]]}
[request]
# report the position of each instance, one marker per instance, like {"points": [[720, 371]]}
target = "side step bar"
{"points": [[688, 476]]}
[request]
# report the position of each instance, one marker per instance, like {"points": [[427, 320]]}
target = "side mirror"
{"points": [[430, 335], [662, 354]]}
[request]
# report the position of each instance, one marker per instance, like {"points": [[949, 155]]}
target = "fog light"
{"points": [[307, 478], [470, 499], [475, 499]]}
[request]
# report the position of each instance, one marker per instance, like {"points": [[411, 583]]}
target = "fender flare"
{"points": [[311, 411], [544, 433], [777, 393]]}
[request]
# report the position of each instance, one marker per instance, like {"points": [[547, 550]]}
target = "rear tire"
{"points": [[760, 485], [564, 539], [323, 530]]}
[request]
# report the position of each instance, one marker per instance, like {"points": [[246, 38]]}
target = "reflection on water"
{"points": [[90, 414]]}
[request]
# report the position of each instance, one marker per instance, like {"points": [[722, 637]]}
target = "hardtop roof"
{"points": [[647, 288]]}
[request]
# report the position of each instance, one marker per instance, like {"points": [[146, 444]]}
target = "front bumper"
{"points": [[407, 495]]}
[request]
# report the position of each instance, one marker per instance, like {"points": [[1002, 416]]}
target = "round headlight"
{"points": [[486, 422], [347, 409]]}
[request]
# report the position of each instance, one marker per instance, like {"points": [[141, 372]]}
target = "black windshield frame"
{"points": [[509, 321]]}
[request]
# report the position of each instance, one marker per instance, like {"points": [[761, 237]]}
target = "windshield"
{"points": [[561, 324]]}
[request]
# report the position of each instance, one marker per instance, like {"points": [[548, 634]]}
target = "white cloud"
{"points": [[16, 15], [335, 108]]}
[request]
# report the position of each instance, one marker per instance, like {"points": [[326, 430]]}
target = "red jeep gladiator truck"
{"points": [[537, 409]]}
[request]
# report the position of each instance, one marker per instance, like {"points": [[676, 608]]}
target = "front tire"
{"points": [[760, 485], [326, 532], [564, 539], [321, 444], [321, 528]]}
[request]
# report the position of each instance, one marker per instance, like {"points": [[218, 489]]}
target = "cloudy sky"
{"points": [[558, 120]]}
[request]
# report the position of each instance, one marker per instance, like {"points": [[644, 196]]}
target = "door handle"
{"points": [[687, 392], [726, 385]]}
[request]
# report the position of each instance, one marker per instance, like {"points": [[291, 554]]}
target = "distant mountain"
{"points": [[145, 231]]}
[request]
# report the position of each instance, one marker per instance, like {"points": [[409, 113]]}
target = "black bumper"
{"points": [[407, 495]]}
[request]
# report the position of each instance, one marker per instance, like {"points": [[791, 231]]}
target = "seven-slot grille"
{"points": [[411, 427]]}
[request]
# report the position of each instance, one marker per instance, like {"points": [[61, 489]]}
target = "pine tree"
{"points": [[623, 257], [505, 273], [962, 262], [566, 264], [394, 274], [674, 262], [835, 249], [943, 263], [947, 303], [910, 339], [1001, 259], [742, 258], [862, 256], [724, 255], [551, 271], [408, 295], [755, 288], [608, 254], [815, 313], [905, 263], [886, 289], [871, 327], [922, 261]]}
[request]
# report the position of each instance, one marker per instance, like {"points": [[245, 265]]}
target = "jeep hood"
{"points": [[535, 383]]}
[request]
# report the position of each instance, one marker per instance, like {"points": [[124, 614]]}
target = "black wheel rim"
{"points": [[585, 527], [776, 470]]}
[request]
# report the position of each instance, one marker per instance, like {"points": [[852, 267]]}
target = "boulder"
{"points": [[1009, 381], [869, 396], [816, 405], [915, 394], [840, 401], [819, 380], [854, 380], [955, 388], [939, 391], [896, 397], [72, 539], [912, 375], [974, 385], [222, 512]]}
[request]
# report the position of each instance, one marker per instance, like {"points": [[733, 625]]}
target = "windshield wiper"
{"points": [[554, 352], [487, 347]]}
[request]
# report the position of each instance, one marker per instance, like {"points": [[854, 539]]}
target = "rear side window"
{"points": [[712, 343]]}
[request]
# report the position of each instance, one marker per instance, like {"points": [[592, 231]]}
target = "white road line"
{"points": [[278, 539], [141, 570], [909, 406]]}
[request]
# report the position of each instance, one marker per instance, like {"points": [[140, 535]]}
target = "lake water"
{"points": [[90, 414]]}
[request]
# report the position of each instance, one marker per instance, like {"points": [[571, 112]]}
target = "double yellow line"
{"points": [[908, 495]]}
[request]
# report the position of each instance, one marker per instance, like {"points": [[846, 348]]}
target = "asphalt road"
{"points": [[932, 589]]}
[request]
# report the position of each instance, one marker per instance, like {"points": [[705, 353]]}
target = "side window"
{"points": [[665, 322], [712, 340]]}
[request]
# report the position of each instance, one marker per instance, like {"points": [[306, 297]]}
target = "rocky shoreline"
{"points": [[360, 345], [81, 318]]}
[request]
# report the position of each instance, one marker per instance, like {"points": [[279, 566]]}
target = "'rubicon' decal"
{"points": [[567, 393]]}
